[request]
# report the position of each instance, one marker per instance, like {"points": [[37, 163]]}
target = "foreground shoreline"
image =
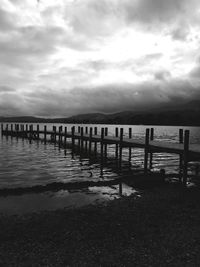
{"points": [[160, 228]]}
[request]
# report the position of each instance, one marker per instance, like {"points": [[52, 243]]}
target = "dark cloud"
{"points": [[4, 88], [162, 75], [110, 98], [6, 20], [157, 11]]}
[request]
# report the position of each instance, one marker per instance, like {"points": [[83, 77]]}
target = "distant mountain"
{"points": [[187, 114]]}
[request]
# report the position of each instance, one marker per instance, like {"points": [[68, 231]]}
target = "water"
{"points": [[25, 164]]}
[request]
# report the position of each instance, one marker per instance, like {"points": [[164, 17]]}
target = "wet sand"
{"points": [[158, 228]]}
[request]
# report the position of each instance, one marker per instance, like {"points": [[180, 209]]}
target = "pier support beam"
{"points": [[185, 156], [45, 134], [151, 154], [120, 147], [130, 150], [180, 156], [95, 144], [117, 146], [146, 151]]}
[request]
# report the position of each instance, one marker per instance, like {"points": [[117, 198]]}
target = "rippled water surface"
{"points": [[25, 164]]}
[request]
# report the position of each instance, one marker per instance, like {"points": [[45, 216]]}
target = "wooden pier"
{"points": [[90, 137]]}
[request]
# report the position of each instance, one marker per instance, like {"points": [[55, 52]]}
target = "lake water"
{"points": [[25, 164]]}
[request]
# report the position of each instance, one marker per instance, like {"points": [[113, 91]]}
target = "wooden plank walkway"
{"points": [[187, 152]]}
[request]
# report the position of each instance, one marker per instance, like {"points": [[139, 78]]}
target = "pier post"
{"points": [[102, 139], [180, 156], [11, 129], [90, 141], [86, 133], [129, 136], [151, 154], [81, 139], [22, 131], [60, 136], [95, 143], [73, 131], [1, 128], [38, 131], [185, 156], [120, 147], [117, 146], [30, 133], [105, 146], [26, 129], [65, 138], [45, 134], [54, 136], [146, 150]]}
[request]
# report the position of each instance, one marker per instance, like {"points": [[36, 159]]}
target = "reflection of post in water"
{"points": [[120, 188], [101, 168]]}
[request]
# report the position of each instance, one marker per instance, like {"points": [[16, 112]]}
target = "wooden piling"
{"points": [[120, 147], [54, 136], [151, 154], [146, 150], [45, 134], [1, 128], [38, 131], [60, 136], [130, 136], [73, 131], [90, 141], [65, 137], [116, 146], [11, 129], [105, 146], [86, 143], [185, 156], [95, 143], [102, 140], [81, 138], [180, 156]]}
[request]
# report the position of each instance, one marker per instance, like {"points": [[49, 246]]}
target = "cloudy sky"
{"points": [[65, 57]]}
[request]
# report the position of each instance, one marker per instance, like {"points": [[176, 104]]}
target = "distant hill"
{"points": [[187, 114]]}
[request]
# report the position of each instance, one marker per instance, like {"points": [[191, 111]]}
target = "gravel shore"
{"points": [[159, 228]]}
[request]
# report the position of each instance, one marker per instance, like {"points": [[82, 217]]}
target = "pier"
{"points": [[89, 137]]}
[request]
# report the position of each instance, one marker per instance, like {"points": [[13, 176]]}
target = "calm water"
{"points": [[23, 164]]}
